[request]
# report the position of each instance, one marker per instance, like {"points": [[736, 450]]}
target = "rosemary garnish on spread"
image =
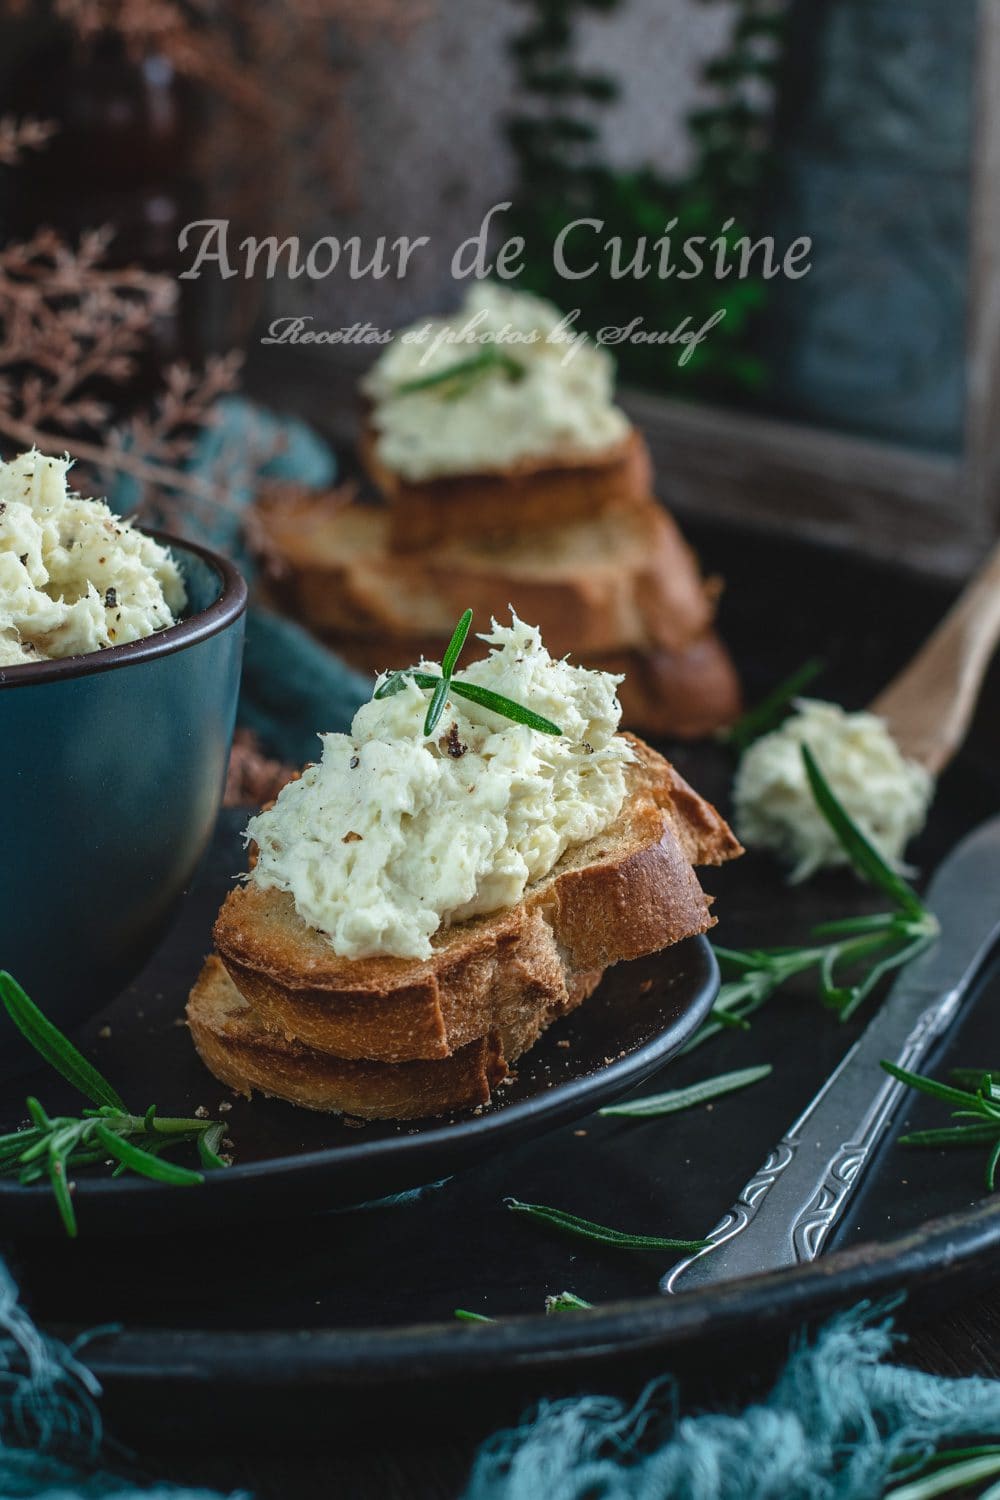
{"points": [[849, 956], [445, 683], [454, 380], [55, 1146]]}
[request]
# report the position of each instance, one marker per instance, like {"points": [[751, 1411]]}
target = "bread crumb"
{"points": [[225, 1107], [645, 987], [579, 1132], [104, 1033], [353, 1123], [562, 1043], [201, 1113]]}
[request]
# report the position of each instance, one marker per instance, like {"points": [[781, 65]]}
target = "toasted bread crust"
{"points": [[245, 1055], [629, 892], [532, 495], [590, 586]]}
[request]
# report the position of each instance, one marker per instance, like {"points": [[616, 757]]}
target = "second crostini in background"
{"points": [[506, 473]]}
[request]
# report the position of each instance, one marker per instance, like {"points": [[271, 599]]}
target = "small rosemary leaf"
{"points": [[768, 714], [209, 1142], [734, 958], [698, 1093], [849, 926], [464, 1316], [991, 1166], [436, 706], [392, 684], [947, 1479], [566, 1302], [863, 855], [972, 1078], [63, 1196], [834, 995], [455, 644], [37, 1113], [929, 1085], [599, 1233], [950, 1456], [144, 1162], [878, 971], [486, 698], [50, 1044], [486, 359], [953, 1135]]}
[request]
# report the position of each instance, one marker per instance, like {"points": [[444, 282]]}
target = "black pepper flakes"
{"points": [[453, 744], [24, 559], [354, 762], [111, 599]]}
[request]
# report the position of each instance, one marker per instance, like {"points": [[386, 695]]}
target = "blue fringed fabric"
{"points": [[838, 1422], [50, 1425], [292, 686]]}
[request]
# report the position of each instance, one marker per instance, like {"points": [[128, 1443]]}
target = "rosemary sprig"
{"points": [[457, 379], [600, 1234], [556, 1302], [54, 1147], [675, 1100], [978, 1108], [560, 1302], [945, 1473], [866, 947], [445, 683], [769, 713]]}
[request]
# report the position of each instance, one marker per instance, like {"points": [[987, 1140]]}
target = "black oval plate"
{"points": [[287, 1159]]}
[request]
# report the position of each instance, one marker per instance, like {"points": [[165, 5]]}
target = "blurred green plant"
{"points": [[563, 175]]}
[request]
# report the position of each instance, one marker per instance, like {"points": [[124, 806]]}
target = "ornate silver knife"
{"points": [[786, 1211]]}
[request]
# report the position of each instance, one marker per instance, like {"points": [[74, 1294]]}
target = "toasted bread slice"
{"points": [[628, 892], [246, 1055], [534, 495], [682, 694], [608, 583]]}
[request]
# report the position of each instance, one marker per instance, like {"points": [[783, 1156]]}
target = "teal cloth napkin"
{"points": [[838, 1423], [292, 686]]}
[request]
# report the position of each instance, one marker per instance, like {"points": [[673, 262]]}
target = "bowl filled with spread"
{"points": [[120, 655]]}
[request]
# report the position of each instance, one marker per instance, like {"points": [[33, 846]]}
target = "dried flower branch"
{"points": [[19, 136], [70, 327]]}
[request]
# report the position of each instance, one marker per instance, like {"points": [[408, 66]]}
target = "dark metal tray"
{"points": [[336, 1317]]}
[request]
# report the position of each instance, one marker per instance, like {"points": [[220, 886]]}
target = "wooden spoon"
{"points": [[928, 707]]}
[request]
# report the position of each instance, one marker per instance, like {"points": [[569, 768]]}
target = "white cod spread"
{"points": [[557, 404], [886, 795], [393, 835], [73, 577]]}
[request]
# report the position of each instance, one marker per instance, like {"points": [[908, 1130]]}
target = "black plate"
{"points": [[309, 1321], [637, 1018]]}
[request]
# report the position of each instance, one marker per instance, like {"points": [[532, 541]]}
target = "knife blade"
{"points": [[786, 1211]]}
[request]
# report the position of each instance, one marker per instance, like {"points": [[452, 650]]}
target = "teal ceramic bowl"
{"points": [[112, 767]]}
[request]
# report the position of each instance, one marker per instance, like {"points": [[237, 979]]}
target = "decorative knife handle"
{"points": [[784, 1214]]}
